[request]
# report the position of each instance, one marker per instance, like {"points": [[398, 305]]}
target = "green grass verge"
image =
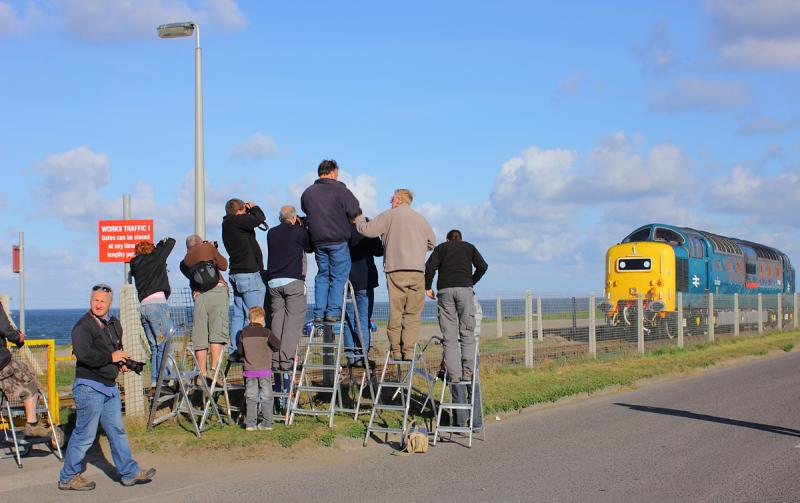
{"points": [[505, 389]]}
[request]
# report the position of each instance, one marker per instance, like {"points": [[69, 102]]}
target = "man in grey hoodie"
{"points": [[407, 238]]}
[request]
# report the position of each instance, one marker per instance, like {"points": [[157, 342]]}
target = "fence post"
{"points": [[710, 317], [780, 312], [528, 329], [132, 337], [499, 317], [679, 302], [539, 325], [760, 315], [736, 316], [592, 329], [640, 323], [794, 319]]}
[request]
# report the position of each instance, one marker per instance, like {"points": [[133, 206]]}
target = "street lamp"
{"points": [[174, 30]]}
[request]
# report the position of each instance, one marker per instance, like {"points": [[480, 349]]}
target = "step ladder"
{"points": [[458, 404], [181, 389], [288, 393], [21, 447], [221, 386], [324, 353], [400, 384]]}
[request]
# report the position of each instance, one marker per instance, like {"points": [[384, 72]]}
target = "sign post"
{"points": [[18, 261], [118, 238]]}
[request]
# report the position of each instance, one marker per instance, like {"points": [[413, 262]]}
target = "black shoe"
{"points": [[235, 357]]}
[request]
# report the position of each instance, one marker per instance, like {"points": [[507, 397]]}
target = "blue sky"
{"points": [[545, 131]]}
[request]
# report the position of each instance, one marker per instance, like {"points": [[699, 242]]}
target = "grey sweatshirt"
{"points": [[407, 237]]}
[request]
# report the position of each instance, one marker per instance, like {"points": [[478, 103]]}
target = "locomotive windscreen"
{"points": [[634, 264]]}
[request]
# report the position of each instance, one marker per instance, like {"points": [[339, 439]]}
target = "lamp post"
{"points": [[186, 29]]}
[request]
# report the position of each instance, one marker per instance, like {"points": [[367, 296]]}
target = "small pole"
{"points": [[794, 319], [126, 215], [539, 326], [710, 317], [528, 330], [780, 312], [499, 317], [736, 316], [592, 328], [640, 323], [760, 315], [22, 282], [679, 302]]}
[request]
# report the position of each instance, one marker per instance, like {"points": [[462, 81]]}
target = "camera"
{"points": [[133, 365], [216, 245]]}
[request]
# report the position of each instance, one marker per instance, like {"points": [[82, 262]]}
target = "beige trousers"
{"points": [[406, 300]]}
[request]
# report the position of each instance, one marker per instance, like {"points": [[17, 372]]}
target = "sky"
{"points": [[545, 131]]}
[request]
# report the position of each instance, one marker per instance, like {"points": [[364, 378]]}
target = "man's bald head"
{"points": [[193, 241], [287, 214]]}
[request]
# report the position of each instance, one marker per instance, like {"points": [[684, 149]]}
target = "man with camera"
{"points": [[202, 265], [287, 245], [97, 345], [239, 237], [17, 380], [329, 207]]}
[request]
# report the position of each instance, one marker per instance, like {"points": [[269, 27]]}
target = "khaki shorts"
{"points": [[17, 381], [211, 318]]}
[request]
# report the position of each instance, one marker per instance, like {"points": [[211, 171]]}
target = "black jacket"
{"points": [[239, 238], [329, 207], [7, 333], [150, 271], [93, 341], [454, 261], [363, 273], [286, 246]]}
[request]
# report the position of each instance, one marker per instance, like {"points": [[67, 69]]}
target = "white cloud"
{"points": [[694, 94], [257, 146], [763, 197], [571, 85], [658, 57], [362, 186], [121, 20], [756, 33], [761, 124]]}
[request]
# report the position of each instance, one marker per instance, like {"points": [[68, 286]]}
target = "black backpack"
{"points": [[204, 276]]}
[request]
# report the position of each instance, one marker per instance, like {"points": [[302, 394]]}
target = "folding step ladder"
{"points": [[324, 352], [288, 393], [21, 447], [181, 390], [457, 404], [402, 386]]}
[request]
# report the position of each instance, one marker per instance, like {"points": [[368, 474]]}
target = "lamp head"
{"points": [[174, 30]]}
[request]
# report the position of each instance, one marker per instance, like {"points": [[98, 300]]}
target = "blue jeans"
{"points": [[157, 325], [333, 269], [365, 299], [248, 291], [94, 407]]}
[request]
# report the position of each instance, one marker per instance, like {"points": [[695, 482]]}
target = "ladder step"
{"points": [[453, 429], [382, 406], [456, 406], [161, 419], [399, 362], [322, 344], [316, 389], [392, 384], [381, 429], [319, 366], [312, 412]]}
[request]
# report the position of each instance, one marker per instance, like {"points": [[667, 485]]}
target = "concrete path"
{"points": [[728, 435]]}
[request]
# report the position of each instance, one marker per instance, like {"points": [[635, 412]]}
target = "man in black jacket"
{"points": [[454, 260], [17, 380], [364, 277], [246, 260], [329, 207], [97, 345]]}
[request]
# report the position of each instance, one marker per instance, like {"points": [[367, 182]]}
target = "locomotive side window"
{"points": [[634, 264], [640, 235], [668, 236]]}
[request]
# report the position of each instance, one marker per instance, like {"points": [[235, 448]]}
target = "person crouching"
{"points": [[256, 345]]}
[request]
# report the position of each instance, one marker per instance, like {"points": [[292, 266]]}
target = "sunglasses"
{"points": [[102, 288]]}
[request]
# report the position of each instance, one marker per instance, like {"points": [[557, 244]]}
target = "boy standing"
{"points": [[256, 346]]}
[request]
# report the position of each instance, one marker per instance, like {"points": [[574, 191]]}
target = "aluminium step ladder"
{"points": [[179, 391], [402, 386], [21, 447], [326, 344]]}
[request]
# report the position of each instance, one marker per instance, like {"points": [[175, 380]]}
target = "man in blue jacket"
{"points": [[329, 207]]}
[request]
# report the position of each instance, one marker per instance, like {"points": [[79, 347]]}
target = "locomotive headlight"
{"points": [[660, 282]]}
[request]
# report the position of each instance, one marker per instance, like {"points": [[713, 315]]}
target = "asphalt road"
{"points": [[728, 435]]}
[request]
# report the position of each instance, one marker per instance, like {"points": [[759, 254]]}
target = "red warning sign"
{"points": [[118, 238]]}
